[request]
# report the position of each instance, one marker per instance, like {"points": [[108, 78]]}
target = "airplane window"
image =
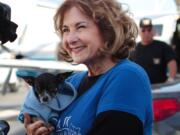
{"points": [[158, 29]]}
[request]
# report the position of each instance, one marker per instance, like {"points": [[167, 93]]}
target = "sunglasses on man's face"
{"points": [[146, 30]]}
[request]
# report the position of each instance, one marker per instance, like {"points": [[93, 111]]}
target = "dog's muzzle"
{"points": [[45, 98]]}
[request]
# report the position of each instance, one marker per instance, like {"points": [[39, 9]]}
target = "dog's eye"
{"points": [[54, 90]]}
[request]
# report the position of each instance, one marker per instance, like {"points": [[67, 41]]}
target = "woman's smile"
{"points": [[77, 49]]}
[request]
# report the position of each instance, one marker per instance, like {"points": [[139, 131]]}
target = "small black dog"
{"points": [[46, 85], [50, 94]]}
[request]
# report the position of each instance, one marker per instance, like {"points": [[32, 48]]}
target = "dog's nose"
{"points": [[45, 99]]}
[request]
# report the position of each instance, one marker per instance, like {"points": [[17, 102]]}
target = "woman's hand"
{"points": [[36, 128]]}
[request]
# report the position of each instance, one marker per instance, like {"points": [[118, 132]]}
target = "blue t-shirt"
{"points": [[125, 87]]}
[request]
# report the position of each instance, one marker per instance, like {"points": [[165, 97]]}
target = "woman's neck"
{"points": [[100, 67]]}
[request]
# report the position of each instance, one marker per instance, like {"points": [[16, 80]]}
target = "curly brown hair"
{"points": [[118, 29]]}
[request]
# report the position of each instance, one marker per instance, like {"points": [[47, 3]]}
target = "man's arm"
{"points": [[172, 66]]}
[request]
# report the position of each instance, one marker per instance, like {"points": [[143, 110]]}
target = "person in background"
{"points": [[114, 94], [7, 27], [156, 57], [175, 42]]}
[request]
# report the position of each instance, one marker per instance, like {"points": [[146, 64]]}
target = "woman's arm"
{"points": [[116, 123]]}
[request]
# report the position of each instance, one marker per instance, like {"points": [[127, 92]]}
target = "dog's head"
{"points": [[46, 85]]}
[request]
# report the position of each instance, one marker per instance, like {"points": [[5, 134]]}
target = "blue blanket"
{"points": [[52, 109]]}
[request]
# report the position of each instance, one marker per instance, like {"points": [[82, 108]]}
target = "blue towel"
{"points": [[52, 109]]}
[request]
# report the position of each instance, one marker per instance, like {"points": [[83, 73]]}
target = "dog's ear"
{"points": [[62, 76], [29, 80]]}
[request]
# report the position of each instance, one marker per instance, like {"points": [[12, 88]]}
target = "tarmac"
{"points": [[10, 104]]}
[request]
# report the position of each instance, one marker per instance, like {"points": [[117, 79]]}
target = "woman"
{"points": [[114, 94]]}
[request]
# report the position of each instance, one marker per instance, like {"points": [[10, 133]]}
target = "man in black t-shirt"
{"points": [[156, 57]]}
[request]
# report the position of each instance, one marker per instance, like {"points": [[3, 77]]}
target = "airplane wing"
{"points": [[34, 65], [40, 65]]}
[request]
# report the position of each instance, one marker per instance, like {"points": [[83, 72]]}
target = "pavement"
{"points": [[10, 104]]}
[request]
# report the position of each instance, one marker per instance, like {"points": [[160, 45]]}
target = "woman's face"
{"points": [[81, 37]]}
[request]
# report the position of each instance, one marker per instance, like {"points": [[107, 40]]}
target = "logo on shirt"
{"points": [[65, 127], [156, 61]]}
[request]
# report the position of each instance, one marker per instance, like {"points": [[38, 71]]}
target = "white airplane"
{"points": [[37, 40]]}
